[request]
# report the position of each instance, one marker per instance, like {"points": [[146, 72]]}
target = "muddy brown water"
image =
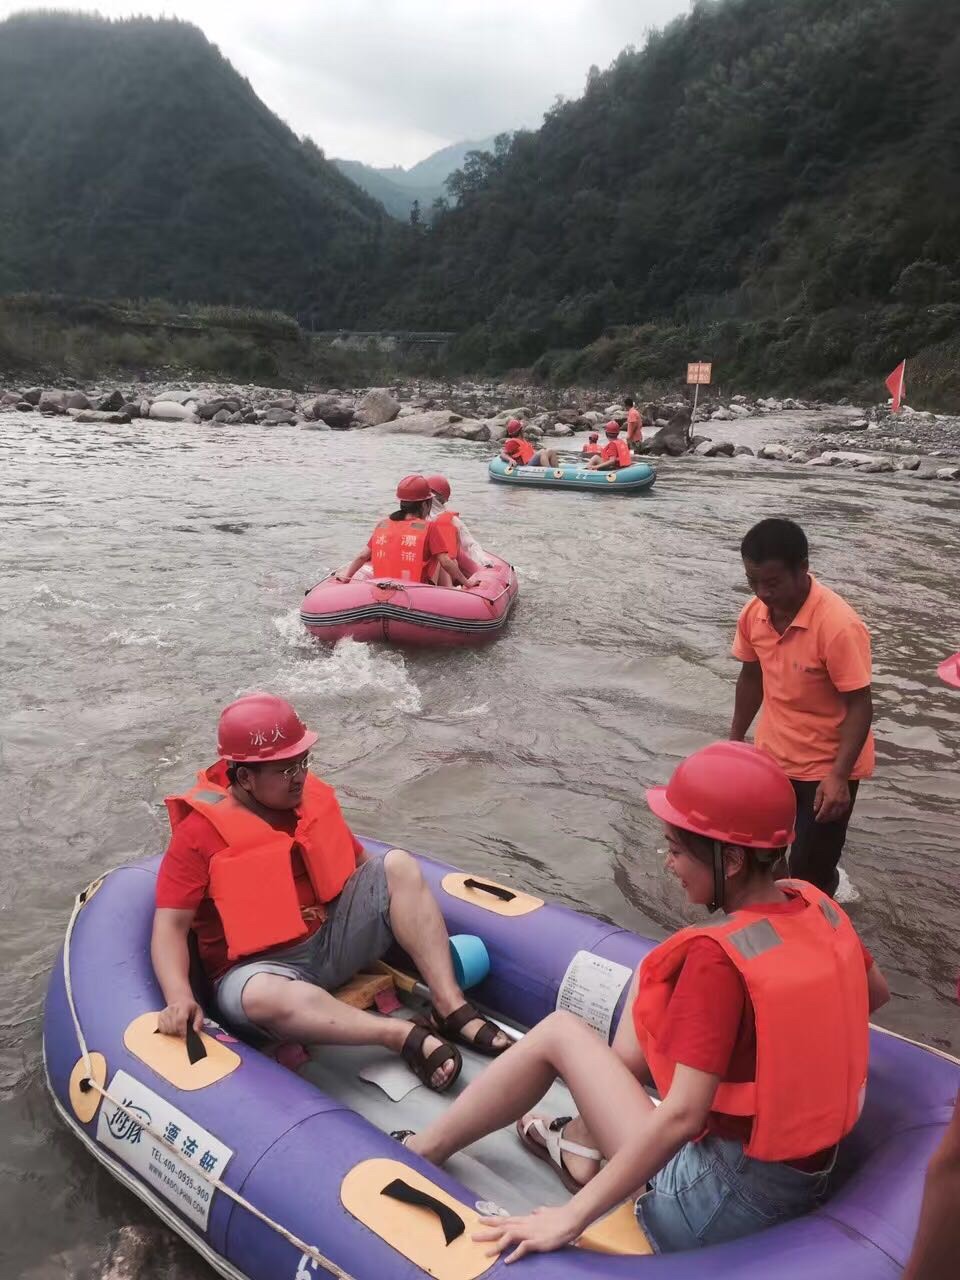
{"points": [[149, 574]]}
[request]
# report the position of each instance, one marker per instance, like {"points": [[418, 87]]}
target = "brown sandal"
{"points": [[424, 1067], [451, 1027]]}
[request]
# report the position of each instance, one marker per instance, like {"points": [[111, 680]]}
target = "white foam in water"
{"points": [[847, 891], [350, 668], [293, 633], [135, 640], [45, 595]]}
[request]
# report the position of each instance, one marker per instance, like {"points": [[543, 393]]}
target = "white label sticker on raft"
{"points": [[591, 988], [175, 1177]]}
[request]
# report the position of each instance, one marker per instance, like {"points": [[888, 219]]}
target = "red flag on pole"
{"points": [[894, 382]]}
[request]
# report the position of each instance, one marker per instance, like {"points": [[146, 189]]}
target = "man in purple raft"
{"points": [[286, 905]]}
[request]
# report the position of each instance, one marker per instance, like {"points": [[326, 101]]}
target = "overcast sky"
{"points": [[390, 81]]}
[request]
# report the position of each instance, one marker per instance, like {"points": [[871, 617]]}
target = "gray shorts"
{"points": [[356, 933]]}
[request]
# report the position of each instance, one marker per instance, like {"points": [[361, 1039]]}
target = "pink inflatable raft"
{"points": [[412, 613]]}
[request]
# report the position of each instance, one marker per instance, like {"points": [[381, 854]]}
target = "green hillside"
{"points": [[776, 175], [134, 161]]}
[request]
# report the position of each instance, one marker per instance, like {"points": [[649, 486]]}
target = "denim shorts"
{"points": [[711, 1192], [356, 933]]}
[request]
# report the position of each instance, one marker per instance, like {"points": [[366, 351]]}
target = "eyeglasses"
{"points": [[298, 766]]}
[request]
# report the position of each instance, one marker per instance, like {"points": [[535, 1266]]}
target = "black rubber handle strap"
{"points": [[196, 1049], [497, 890], [453, 1225]]}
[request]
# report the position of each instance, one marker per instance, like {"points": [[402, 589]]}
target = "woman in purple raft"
{"points": [[753, 1029]]}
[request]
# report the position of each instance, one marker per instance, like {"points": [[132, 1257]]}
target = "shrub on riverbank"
{"points": [[89, 339]]}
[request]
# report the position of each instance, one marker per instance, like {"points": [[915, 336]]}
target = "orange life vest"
{"points": [[451, 538], [618, 449], [806, 980], [252, 881], [591, 450], [400, 550], [526, 451]]}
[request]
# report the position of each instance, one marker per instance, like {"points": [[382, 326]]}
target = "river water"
{"points": [[150, 574]]}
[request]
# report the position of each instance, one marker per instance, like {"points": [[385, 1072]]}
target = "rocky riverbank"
{"points": [[808, 433]]}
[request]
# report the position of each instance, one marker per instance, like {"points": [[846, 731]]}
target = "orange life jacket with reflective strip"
{"points": [[451, 538], [618, 449], [806, 980], [400, 550], [252, 881]]}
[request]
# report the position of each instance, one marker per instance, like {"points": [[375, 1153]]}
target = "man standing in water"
{"points": [[634, 425], [805, 658]]}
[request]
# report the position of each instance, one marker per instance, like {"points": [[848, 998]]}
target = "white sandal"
{"points": [[552, 1145]]}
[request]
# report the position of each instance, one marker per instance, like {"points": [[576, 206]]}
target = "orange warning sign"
{"points": [[699, 373]]}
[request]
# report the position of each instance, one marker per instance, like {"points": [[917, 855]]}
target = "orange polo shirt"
{"points": [[634, 425], [824, 652]]}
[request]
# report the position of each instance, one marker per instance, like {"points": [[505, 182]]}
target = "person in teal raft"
{"points": [[521, 453], [616, 452]]}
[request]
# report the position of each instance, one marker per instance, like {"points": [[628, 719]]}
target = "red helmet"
{"points": [[512, 447], [413, 489], [949, 670], [261, 727], [731, 792], [514, 427], [440, 485], [593, 437], [612, 427]]}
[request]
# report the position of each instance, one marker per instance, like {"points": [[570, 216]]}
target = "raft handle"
{"points": [[497, 890], [196, 1049], [453, 1225]]}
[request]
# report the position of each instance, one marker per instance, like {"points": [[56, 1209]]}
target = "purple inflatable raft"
{"points": [[273, 1175]]}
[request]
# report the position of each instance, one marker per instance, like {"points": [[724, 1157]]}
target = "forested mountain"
{"points": [[792, 163], [134, 161], [396, 188]]}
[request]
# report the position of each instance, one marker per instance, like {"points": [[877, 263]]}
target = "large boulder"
{"points": [[561, 429], [32, 395], [476, 431], [722, 415], [52, 402], [111, 403], [97, 415], [76, 400], [673, 439], [771, 405], [210, 408], [284, 402], [740, 410], [431, 423], [376, 407], [334, 411], [774, 452], [948, 473], [743, 451], [11, 397], [170, 411], [275, 417], [718, 449]]}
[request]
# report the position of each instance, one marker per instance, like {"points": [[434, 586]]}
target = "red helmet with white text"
{"points": [[259, 727]]}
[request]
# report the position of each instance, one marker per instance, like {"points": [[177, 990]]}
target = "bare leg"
{"points": [[607, 1093], [419, 928], [291, 1010]]}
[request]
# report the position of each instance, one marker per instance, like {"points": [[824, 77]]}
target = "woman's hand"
{"points": [[541, 1231]]}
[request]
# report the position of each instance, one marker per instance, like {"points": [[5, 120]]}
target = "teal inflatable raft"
{"points": [[627, 480]]}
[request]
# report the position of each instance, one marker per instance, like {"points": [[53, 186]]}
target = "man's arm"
{"points": [[747, 700], [832, 798], [171, 963], [937, 1246]]}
